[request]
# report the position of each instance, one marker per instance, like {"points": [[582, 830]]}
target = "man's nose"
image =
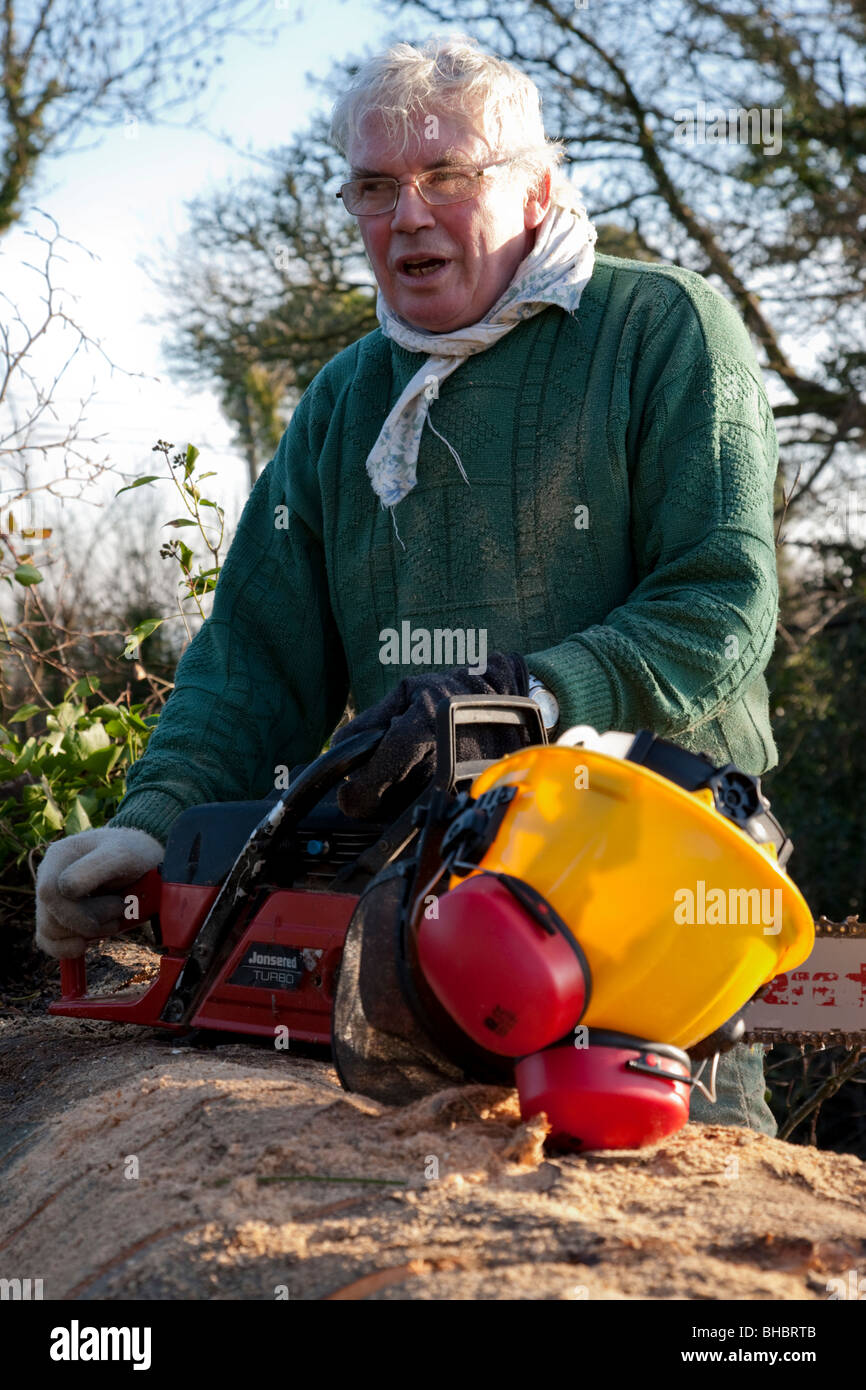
{"points": [[411, 211]]}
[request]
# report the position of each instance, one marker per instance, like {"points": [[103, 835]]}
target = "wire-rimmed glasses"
{"points": [[453, 183]]}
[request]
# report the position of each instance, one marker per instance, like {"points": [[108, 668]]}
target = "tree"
{"points": [[268, 285], [68, 67]]}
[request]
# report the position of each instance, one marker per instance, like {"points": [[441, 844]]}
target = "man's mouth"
{"points": [[420, 266]]}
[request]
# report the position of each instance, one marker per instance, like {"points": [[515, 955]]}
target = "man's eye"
{"points": [[371, 185], [451, 180]]}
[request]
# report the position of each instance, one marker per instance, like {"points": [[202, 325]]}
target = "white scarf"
{"points": [[556, 271]]}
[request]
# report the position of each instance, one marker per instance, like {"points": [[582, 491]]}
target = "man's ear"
{"points": [[537, 201]]}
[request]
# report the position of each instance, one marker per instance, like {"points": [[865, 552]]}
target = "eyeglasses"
{"points": [[453, 184]]}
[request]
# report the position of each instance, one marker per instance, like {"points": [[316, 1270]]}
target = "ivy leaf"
{"points": [[91, 739], [201, 584], [77, 818], [52, 816], [102, 760]]}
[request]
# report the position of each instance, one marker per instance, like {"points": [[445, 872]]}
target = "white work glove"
{"points": [[67, 916]]}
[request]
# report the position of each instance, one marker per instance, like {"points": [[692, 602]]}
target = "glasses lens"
{"points": [[366, 196], [449, 185]]}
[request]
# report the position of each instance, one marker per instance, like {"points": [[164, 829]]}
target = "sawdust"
{"points": [[135, 1169]]}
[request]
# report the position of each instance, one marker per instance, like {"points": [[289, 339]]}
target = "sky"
{"points": [[124, 196]]}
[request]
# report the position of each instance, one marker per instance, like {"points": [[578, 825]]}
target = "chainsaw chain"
{"points": [[833, 1038], [852, 926]]}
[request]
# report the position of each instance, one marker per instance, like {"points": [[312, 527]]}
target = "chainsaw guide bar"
{"points": [[823, 1002]]}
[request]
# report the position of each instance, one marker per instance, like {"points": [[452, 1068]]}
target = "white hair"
{"points": [[405, 84]]}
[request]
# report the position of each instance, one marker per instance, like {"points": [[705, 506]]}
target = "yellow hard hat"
{"points": [[667, 871]]}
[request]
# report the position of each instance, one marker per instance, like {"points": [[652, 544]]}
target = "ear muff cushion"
{"points": [[594, 1100], [510, 984]]}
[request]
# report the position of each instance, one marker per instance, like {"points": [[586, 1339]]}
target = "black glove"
{"points": [[404, 762]]}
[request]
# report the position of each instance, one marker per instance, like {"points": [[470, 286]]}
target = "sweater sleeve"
{"points": [[264, 681], [699, 626]]}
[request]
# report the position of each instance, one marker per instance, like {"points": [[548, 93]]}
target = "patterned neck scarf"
{"points": [[556, 271]]}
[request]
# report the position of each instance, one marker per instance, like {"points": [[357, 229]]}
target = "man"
{"points": [[567, 458]]}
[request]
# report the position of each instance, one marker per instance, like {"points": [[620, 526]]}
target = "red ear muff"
{"points": [[503, 965], [616, 1093]]}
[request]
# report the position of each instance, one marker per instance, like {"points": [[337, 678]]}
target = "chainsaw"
{"points": [[249, 910]]}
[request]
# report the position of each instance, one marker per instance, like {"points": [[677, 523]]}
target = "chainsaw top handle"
{"points": [[516, 710], [308, 788]]}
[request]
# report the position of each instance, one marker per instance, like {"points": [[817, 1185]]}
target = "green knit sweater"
{"points": [[617, 530]]}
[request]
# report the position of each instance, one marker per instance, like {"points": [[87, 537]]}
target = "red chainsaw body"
{"points": [[280, 974]]}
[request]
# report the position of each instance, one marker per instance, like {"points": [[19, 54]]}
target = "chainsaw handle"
{"points": [[148, 889], [73, 978], [318, 777], [479, 709]]}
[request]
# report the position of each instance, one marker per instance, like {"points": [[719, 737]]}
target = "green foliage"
{"points": [[193, 584], [71, 775], [27, 575]]}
